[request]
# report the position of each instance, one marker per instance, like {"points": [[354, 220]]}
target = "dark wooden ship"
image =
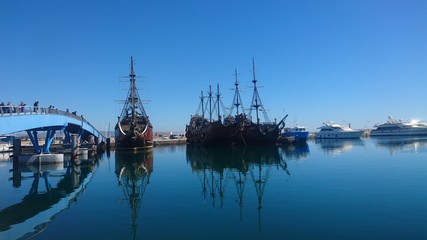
{"points": [[133, 129], [248, 132], [237, 128], [202, 131]]}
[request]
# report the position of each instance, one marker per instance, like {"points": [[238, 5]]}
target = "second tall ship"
{"points": [[133, 129], [236, 128]]}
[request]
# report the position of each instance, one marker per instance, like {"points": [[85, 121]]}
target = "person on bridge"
{"points": [[2, 107], [10, 108], [21, 107], [36, 105]]}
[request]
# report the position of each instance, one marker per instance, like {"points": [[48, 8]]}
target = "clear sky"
{"points": [[346, 61]]}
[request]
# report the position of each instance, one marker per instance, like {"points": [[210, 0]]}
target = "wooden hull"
{"points": [[140, 137], [214, 133], [263, 134]]}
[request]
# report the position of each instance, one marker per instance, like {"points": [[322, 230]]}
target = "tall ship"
{"points": [[248, 132], [394, 127], [133, 129], [208, 131]]}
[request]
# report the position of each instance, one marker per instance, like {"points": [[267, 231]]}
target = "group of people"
{"points": [[9, 108]]}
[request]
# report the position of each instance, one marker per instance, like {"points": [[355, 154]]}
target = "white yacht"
{"points": [[395, 127], [333, 131], [5, 144]]}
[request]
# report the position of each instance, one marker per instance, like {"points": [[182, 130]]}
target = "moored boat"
{"points": [[6, 143], [395, 127], [295, 134], [202, 131], [247, 132], [133, 129], [331, 130]]}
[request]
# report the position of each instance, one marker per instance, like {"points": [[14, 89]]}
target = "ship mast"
{"points": [[256, 100], [218, 95], [237, 100], [210, 103], [202, 103], [132, 89], [133, 101]]}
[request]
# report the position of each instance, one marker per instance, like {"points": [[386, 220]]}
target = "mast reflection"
{"points": [[133, 170], [216, 165], [53, 188]]}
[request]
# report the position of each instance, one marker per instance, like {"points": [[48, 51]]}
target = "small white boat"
{"points": [[332, 130], [6, 144]]}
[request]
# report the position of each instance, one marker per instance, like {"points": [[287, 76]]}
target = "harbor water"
{"points": [[373, 188]]}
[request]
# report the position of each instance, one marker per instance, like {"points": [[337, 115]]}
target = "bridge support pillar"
{"points": [[99, 144], [74, 146], [16, 146], [16, 149], [50, 135], [67, 138], [35, 141]]}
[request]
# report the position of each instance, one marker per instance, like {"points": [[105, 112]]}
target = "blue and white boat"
{"points": [[296, 134]]}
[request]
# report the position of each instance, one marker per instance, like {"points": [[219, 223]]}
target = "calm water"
{"points": [[365, 189]]}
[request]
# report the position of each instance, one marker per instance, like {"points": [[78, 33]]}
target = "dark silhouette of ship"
{"points": [[133, 129], [202, 131], [238, 129]]}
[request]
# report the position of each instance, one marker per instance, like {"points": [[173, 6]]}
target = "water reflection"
{"points": [[337, 146], [133, 170], [402, 144], [215, 166], [297, 151], [53, 187], [5, 156]]}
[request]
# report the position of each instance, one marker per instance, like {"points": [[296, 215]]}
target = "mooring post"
{"points": [[74, 146], [16, 149], [108, 144], [99, 144]]}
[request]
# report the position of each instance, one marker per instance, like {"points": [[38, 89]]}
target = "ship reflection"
{"points": [[215, 166], [53, 188], [297, 151], [335, 147], [402, 144], [133, 170]]}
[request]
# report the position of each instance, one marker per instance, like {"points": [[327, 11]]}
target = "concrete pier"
{"points": [[40, 159], [74, 146]]}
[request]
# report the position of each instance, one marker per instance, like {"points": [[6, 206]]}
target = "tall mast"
{"points": [[255, 97], [203, 104], [132, 93], [218, 100], [237, 100], [210, 103], [133, 107], [256, 100]]}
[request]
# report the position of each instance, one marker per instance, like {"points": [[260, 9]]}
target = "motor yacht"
{"points": [[394, 127], [331, 130]]}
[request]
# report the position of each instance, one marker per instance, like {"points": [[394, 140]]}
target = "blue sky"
{"points": [[346, 61]]}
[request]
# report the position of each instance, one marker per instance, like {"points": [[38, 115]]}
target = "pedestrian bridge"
{"points": [[35, 119]]}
